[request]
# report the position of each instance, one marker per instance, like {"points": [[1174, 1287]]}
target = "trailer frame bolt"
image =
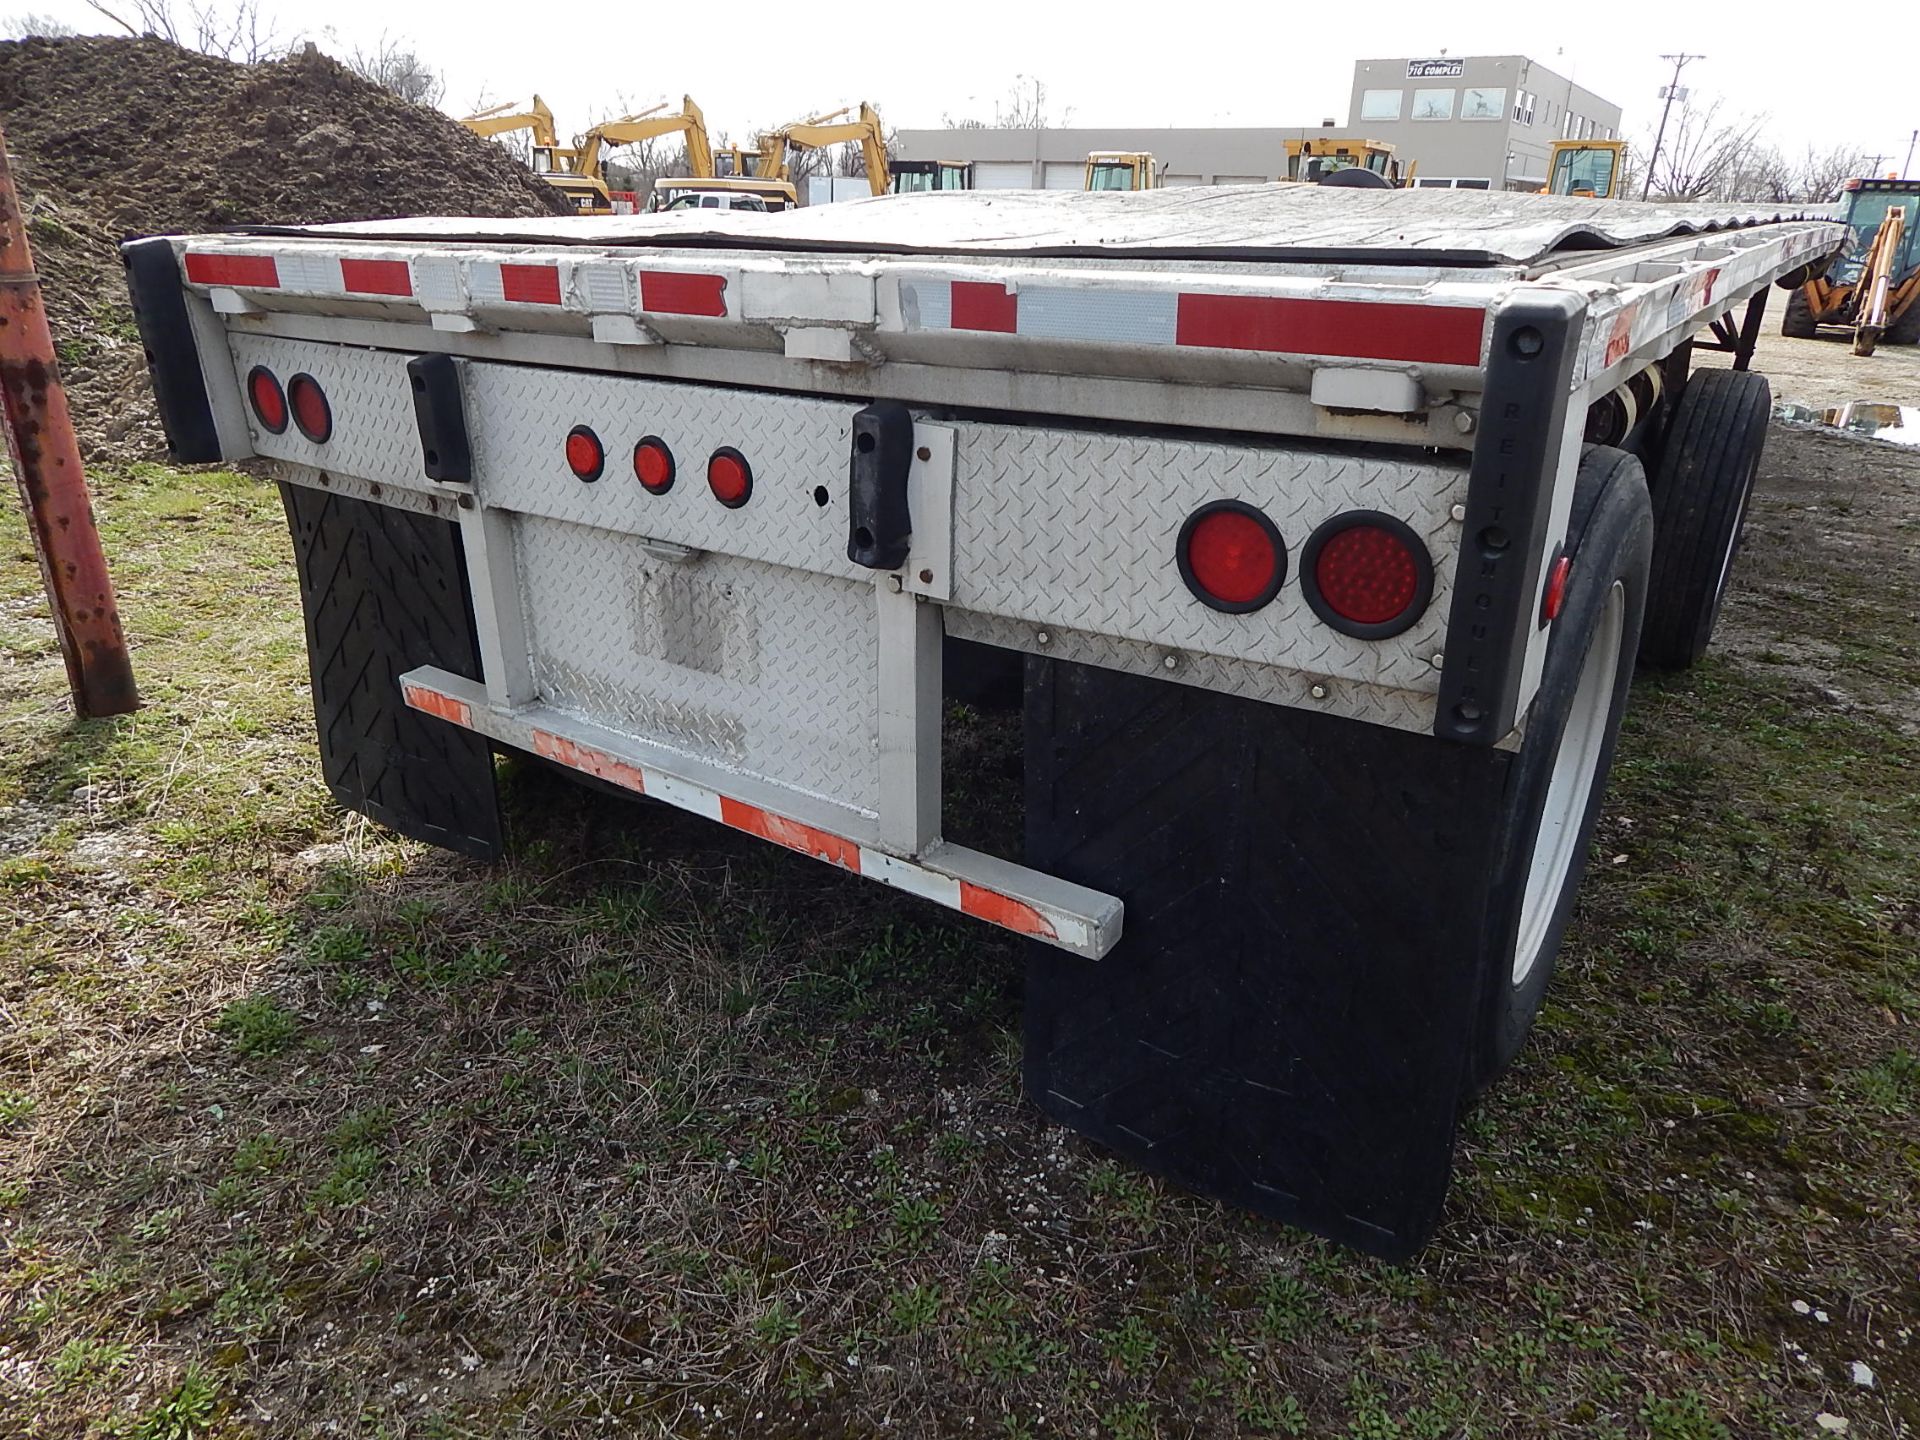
{"points": [[1439, 660], [1044, 638], [1458, 514], [1317, 690]]}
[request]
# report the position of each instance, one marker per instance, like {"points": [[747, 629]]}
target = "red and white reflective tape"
{"points": [[956, 893], [300, 272], [239, 272], [453, 283], [1426, 333]]}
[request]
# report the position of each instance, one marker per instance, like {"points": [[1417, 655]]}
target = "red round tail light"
{"points": [[1231, 556], [730, 477], [586, 456], [653, 465], [268, 400], [311, 412], [1366, 574]]}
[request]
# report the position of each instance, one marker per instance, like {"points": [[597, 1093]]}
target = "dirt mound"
{"points": [[112, 138]]}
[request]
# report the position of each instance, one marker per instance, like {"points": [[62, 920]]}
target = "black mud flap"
{"points": [[1287, 1019], [385, 590]]}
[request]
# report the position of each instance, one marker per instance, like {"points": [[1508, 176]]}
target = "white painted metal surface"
{"points": [[1054, 911]]}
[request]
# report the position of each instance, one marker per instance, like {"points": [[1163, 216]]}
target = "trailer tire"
{"points": [[1706, 474], [1572, 728], [1905, 330], [1797, 322]]}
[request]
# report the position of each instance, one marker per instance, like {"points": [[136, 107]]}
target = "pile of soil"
{"points": [[112, 138]]}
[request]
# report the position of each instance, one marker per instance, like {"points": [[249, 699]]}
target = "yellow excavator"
{"points": [[1592, 168], [552, 161], [820, 131], [577, 169]]}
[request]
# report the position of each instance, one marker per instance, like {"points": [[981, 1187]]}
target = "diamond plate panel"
{"points": [[772, 672], [374, 435], [1397, 709], [1078, 529], [1065, 528], [520, 417]]}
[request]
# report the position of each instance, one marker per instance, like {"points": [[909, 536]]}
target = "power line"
{"points": [[1680, 62]]}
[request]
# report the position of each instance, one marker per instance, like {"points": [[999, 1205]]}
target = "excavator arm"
{"points": [[632, 129], [815, 135], [503, 120]]}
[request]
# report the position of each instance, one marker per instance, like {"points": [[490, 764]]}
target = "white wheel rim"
{"points": [[1576, 764], [1733, 544]]}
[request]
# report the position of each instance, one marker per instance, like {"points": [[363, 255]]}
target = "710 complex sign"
{"points": [[1435, 69]]}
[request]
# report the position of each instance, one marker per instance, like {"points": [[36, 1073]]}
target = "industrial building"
{"points": [[1482, 122]]}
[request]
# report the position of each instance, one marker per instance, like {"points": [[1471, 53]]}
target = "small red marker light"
{"points": [[1366, 575], [311, 413], [730, 477], [1556, 595], [586, 457], [268, 400], [653, 465], [1231, 556]]}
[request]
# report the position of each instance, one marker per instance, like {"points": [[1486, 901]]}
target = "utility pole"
{"points": [[1907, 167], [1680, 62]]}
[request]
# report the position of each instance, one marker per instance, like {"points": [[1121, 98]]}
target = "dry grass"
{"points": [[307, 1130]]}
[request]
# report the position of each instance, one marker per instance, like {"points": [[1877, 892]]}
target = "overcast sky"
{"points": [[751, 65]]}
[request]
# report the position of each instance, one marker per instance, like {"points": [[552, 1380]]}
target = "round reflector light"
{"points": [[268, 400], [311, 413], [586, 457], [1366, 574], [730, 477], [1231, 556], [653, 465]]}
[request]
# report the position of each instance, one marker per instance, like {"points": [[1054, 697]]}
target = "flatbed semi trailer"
{"points": [[1325, 529]]}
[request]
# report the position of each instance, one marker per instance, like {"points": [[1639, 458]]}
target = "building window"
{"points": [[1522, 104], [1433, 104], [1380, 104], [1482, 104]]}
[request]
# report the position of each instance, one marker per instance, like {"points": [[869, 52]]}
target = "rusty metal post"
{"points": [[46, 462]]}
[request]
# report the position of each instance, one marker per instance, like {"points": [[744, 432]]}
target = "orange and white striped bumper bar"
{"points": [[1014, 897]]}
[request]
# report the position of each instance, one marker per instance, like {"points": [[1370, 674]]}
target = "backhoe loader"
{"points": [[1592, 168], [1313, 162], [1122, 170], [1875, 287]]}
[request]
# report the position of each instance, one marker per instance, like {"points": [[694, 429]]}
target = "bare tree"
{"points": [[1818, 175], [239, 33], [34, 26], [394, 65], [1708, 152], [1024, 108]]}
